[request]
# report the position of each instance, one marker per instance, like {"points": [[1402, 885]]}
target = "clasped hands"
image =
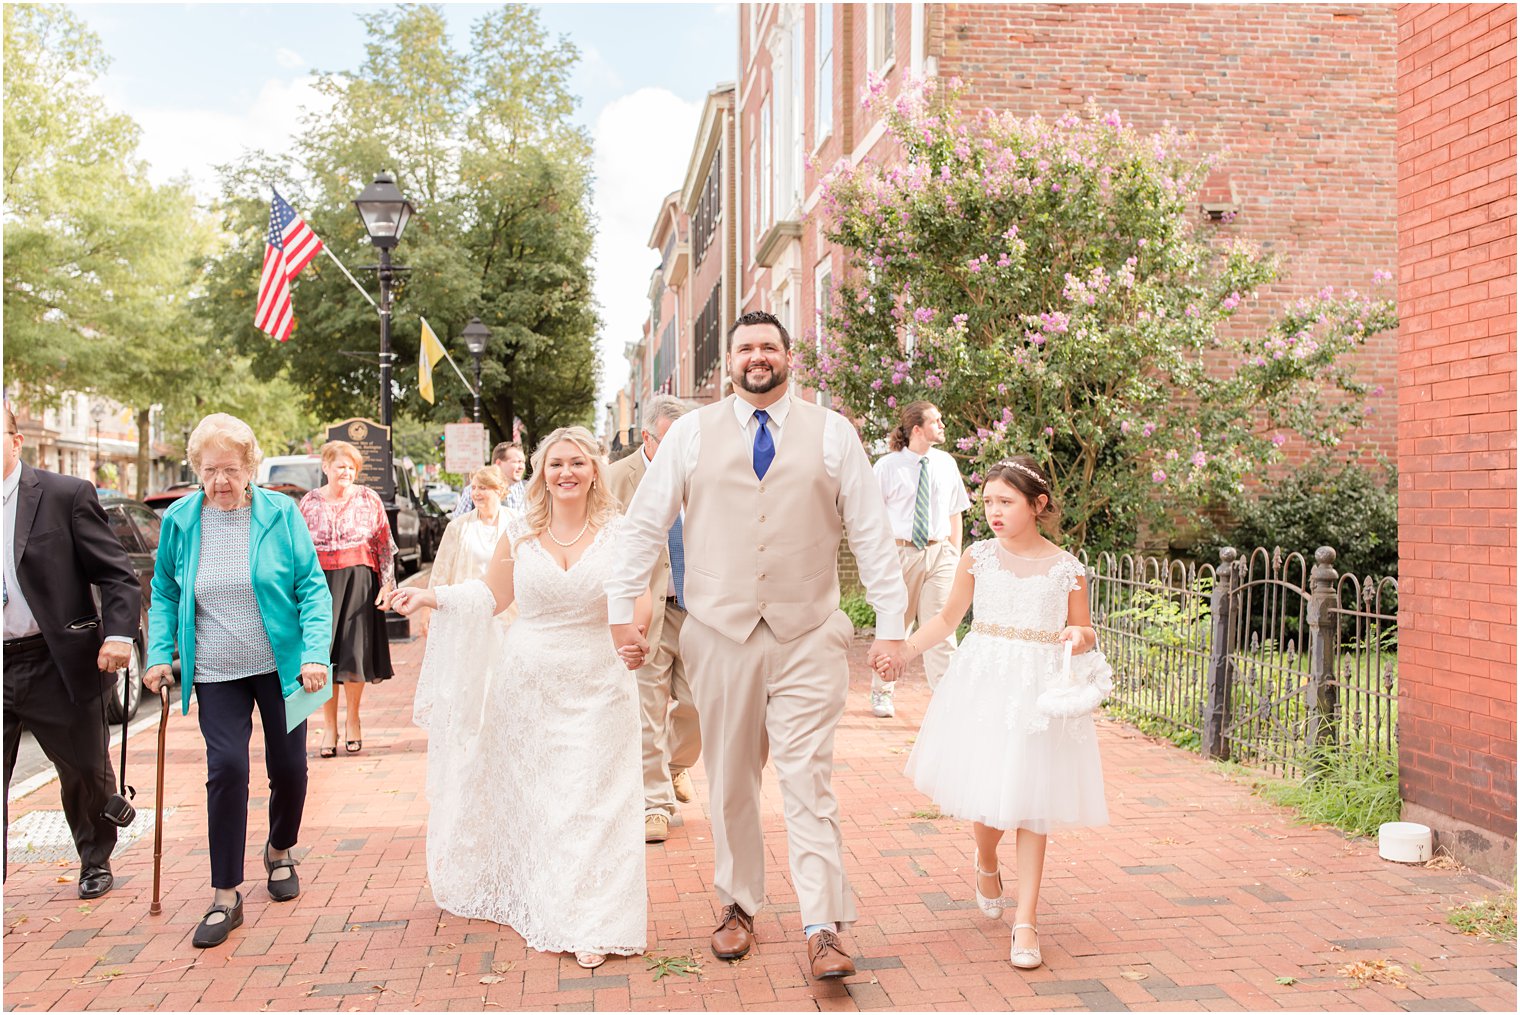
{"points": [[887, 658], [632, 647]]}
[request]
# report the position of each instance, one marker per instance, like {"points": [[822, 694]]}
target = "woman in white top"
{"points": [[464, 553]]}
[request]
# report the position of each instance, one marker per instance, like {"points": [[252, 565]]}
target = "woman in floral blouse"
{"points": [[354, 544]]}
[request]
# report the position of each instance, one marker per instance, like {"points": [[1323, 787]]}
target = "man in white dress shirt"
{"points": [[672, 736], [925, 501], [768, 484]]}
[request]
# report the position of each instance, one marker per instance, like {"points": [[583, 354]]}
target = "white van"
{"points": [[304, 471]]}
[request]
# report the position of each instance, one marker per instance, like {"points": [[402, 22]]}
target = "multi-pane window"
{"points": [[707, 340], [823, 80], [754, 199], [704, 225], [665, 359], [882, 34], [766, 182], [823, 287]]}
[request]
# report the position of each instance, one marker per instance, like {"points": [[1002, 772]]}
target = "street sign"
{"points": [[372, 440], [464, 447]]}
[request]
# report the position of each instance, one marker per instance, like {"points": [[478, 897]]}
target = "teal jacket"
{"points": [[288, 584]]}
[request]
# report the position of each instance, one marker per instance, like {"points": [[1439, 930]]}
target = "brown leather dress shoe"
{"points": [[735, 934], [828, 957]]}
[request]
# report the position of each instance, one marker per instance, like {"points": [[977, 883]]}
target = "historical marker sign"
{"points": [[372, 440]]}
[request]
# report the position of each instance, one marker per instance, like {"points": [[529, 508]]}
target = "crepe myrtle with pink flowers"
{"points": [[1052, 286]]}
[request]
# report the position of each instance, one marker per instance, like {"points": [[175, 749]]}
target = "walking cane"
{"points": [[158, 801]]}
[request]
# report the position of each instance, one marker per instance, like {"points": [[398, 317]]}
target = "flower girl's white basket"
{"points": [[1077, 694]]}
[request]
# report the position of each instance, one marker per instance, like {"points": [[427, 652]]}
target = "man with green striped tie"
{"points": [[925, 500]]}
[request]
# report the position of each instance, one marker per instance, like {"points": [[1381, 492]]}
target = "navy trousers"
{"points": [[226, 716]]}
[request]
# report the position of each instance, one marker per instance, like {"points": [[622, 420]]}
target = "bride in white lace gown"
{"points": [[534, 783]]}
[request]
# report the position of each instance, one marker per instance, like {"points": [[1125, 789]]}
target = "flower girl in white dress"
{"points": [[1007, 741]]}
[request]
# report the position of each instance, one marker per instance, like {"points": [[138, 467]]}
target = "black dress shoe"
{"points": [[284, 889], [95, 882], [209, 935]]}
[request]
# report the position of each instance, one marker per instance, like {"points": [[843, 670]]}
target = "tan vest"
{"points": [[762, 550]]}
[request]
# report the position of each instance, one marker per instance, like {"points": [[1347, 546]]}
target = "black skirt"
{"points": [[360, 648]]}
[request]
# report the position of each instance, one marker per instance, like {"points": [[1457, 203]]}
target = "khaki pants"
{"points": [[928, 573], [672, 733], [782, 700]]}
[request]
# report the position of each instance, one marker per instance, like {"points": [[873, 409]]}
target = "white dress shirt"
{"points": [[19, 621], [898, 475], [671, 579], [661, 496]]}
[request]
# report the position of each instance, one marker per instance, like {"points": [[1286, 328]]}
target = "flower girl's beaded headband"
{"points": [[1026, 470]]}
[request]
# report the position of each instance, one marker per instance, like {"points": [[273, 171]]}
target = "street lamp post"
{"points": [[98, 412], [475, 337], [385, 213]]}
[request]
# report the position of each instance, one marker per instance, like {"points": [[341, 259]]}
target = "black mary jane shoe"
{"points": [[209, 935], [284, 889]]}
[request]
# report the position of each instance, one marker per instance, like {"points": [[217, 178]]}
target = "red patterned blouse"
{"points": [[354, 531]]}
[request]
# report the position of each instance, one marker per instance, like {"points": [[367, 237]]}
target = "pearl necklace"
{"points": [[550, 529]]}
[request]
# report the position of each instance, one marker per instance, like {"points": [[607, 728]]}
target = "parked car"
{"points": [[417, 523], [161, 500], [136, 525], [445, 499], [304, 471], [290, 490]]}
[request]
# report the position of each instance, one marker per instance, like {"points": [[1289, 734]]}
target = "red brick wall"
{"points": [[1456, 429], [1300, 95]]}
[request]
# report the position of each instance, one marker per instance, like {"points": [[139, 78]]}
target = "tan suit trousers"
{"points": [[928, 573], [782, 700], [672, 734]]}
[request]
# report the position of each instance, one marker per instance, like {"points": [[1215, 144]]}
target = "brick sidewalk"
{"points": [[1199, 896]]}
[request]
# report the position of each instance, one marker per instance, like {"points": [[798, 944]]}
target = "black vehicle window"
{"points": [[125, 531], [147, 525]]}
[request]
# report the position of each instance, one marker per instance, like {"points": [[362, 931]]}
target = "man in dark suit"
{"points": [[57, 667]]}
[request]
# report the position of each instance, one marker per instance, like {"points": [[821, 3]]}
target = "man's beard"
{"points": [[775, 380]]}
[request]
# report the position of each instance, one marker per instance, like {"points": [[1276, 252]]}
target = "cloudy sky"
{"points": [[207, 81]]}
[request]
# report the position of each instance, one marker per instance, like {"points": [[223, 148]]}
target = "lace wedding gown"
{"points": [[984, 752], [535, 758]]}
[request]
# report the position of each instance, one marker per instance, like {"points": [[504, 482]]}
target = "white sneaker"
{"points": [[881, 703]]}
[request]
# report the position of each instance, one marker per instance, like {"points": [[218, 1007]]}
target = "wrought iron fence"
{"points": [[1259, 659]]}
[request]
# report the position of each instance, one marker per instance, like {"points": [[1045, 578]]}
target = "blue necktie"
{"points": [[677, 562], [765, 448]]}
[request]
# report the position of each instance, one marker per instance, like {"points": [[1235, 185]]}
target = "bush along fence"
{"points": [[1264, 658]]}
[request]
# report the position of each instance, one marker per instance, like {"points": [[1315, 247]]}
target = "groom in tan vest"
{"points": [[768, 484]]}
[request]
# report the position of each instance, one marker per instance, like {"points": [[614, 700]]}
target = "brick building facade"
{"points": [[693, 292], [1301, 95], [1456, 429]]}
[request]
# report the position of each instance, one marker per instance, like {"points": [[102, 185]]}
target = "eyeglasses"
{"points": [[233, 472]]}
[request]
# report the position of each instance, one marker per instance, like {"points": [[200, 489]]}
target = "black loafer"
{"points": [[209, 935], [284, 889], [95, 882]]}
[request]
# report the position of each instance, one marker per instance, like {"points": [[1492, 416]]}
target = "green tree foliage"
{"points": [[482, 144], [99, 262], [1049, 286], [1342, 505]]}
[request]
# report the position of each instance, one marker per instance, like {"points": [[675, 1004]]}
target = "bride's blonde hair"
{"points": [[601, 506]]}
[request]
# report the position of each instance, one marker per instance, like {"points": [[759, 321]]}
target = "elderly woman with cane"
{"points": [[238, 589]]}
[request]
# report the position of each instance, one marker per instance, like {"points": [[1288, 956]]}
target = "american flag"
{"points": [[291, 246]]}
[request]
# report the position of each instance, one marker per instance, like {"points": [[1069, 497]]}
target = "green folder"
{"points": [[301, 703]]}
